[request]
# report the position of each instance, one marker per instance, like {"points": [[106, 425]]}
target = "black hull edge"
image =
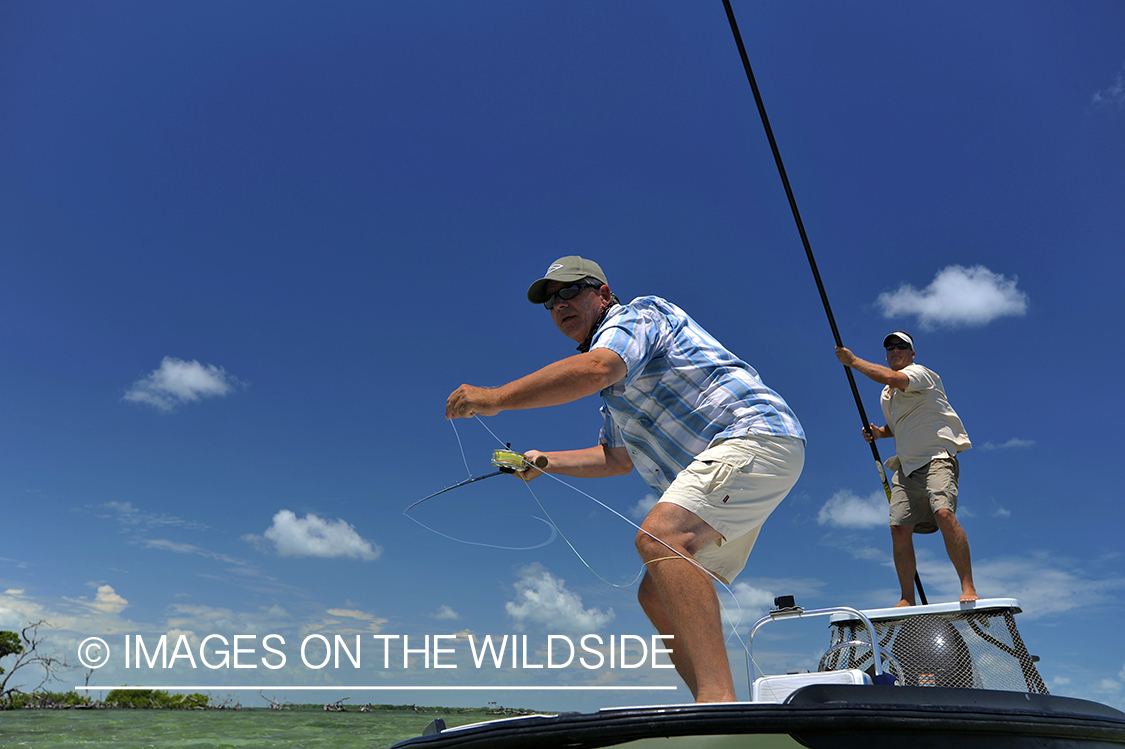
{"points": [[821, 717]]}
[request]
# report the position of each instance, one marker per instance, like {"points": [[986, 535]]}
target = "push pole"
{"points": [[812, 260]]}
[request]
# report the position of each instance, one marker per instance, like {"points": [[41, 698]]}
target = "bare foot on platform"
{"points": [[969, 596], [903, 602]]}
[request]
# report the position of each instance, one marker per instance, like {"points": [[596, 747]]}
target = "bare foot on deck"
{"points": [[969, 596], [903, 602]]}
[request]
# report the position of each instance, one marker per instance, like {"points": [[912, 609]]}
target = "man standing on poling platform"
{"points": [[706, 434], [928, 435]]}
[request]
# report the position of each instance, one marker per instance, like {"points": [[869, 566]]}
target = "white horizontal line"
{"points": [[385, 689]]}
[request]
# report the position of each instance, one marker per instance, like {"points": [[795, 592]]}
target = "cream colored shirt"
{"points": [[925, 426]]}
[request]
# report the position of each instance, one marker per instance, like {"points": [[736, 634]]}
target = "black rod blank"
{"points": [[809, 254]]}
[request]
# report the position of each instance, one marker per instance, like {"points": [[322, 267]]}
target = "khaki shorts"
{"points": [[915, 498], [733, 486]]}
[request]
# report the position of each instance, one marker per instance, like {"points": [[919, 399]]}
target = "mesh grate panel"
{"points": [[970, 649]]}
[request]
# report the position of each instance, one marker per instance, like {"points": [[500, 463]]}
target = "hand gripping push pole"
{"points": [[809, 254]]}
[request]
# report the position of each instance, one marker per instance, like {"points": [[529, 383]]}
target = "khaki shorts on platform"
{"points": [[915, 498], [733, 486]]}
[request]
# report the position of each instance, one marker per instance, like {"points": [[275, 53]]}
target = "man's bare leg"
{"points": [[957, 546], [653, 605], [690, 604], [902, 541]]}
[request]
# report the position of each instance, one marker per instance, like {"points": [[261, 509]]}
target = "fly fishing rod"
{"points": [[812, 260], [505, 461]]}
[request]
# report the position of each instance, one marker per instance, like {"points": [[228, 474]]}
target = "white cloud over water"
{"points": [[957, 296]]}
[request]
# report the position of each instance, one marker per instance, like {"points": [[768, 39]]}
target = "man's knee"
{"points": [[902, 532], [946, 519], [644, 543]]}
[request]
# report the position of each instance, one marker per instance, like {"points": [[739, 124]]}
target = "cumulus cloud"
{"points": [[1013, 442], [178, 381], [446, 612], [108, 601], [957, 296], [1112, 95], [846, 510], [641, 510], [753, 602], [312, 536], [542, 598]]}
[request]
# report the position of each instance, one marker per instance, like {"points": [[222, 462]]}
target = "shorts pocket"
{"points": [[715, 474]]}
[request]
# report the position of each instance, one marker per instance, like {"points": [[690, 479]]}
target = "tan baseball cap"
{"points": [[566, 269]]}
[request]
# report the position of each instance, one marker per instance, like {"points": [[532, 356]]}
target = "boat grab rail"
{"points": [[798, 612]]}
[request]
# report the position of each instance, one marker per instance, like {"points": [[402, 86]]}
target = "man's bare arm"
{"points": [[877, 372], [560, 382], [591, 462]]}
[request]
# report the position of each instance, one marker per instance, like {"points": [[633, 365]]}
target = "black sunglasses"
{"points": [[568, 292], [899, 346]]}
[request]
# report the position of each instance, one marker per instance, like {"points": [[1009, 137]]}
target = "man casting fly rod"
{"points": [[719, 447]]}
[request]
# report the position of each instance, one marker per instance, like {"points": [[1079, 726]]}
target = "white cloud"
{"points": [[345, 622], [313, 537], [178, 381], [1013, 442], [163, 544], [132, 517], [846, 510], [1043, 584], [352, 614], [957, 296], [542, 598], [201, 618], [754, 602], [108, 601], [446, 612], [641, 510], [1112, 95], [1108, 685]]}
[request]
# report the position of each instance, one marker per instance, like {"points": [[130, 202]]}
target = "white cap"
{"points": [[900, 335]]}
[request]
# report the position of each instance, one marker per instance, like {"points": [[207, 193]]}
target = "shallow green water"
{"points": [[241, 729]]}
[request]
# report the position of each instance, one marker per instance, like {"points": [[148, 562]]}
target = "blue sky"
{"points": [[247, 250]]}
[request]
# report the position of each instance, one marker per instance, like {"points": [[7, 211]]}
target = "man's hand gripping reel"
{"points": [[513, 462]]}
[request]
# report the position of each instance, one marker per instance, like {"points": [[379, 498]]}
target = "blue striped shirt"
{"points": [[682, 391]]}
